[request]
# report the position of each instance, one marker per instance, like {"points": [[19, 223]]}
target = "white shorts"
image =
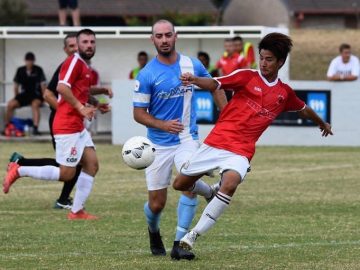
{"points": [[158, 174], [70, 147], [208, 158]]}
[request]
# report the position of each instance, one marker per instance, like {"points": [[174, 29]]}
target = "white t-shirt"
{"points": [[338, 67]]}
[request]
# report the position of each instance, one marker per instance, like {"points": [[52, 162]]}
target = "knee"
{"points": [[92, 168], [230, 182], [157, 206], [179, 185], [67, 174]]}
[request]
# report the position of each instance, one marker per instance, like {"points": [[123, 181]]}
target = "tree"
{"points": [[12, 12]]}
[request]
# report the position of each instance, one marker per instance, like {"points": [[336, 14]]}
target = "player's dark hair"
{"points": [[237, 38], [30, 56], [279, 44], [142, 53], [344, 46], [85, 31], [204, 54], [71, 35], [162, 21]]}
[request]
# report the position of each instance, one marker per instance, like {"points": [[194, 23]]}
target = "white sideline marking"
{"points": [[207, 248]]}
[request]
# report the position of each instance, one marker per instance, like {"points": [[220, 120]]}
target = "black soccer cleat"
{"points": [[178, 253], [156, 244]]}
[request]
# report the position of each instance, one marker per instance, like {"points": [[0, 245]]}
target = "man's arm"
{"points": [[341, 78], [220, 98], [96, 90], [50, 98], [201, 82], [309, 113], [142, 116], [68, 96]]}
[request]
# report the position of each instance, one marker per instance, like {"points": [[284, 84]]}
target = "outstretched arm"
{"points": [[309, 113], [202, 82]]}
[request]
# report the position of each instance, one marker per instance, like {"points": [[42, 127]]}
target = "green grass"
{"points": [[298, 209]]}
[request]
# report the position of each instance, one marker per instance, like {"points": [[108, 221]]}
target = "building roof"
{"points": [[123, 7], [324, 6]]}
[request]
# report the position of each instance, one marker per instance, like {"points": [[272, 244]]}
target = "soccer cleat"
{"points": [[81, 215], [188, 241], [178, 253], [11, 176], [156, 244], [63, 205], [15, 157], [215, 188]]}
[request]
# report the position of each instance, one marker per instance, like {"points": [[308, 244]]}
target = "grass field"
{"points": [[298, 209]]}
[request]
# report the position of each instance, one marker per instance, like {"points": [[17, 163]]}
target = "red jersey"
{"points": [[76, 74], [95, 78], [228, 64], [255, 104]]}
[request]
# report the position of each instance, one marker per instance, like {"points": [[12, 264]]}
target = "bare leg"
{"points": [[75, 13], [35, 107], [11, 106], [62, 17]]}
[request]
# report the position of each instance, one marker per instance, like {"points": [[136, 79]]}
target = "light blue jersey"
{"points": [[159, 89]]}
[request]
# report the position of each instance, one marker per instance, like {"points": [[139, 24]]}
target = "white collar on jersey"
{"points": [[270, 84]]}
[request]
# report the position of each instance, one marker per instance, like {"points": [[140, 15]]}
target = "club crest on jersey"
{"points": [[175, 92], [73, 155], [137, 86], [280, 100], [258, 89]]}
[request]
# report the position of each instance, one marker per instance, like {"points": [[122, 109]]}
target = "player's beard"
{"points": [[86, 56], [166, 53]]}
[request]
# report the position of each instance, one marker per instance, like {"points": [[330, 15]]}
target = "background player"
{"points": [[73, 142], [166, 108], [259, 98]]}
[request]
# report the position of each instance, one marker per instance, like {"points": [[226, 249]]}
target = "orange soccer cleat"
{"points": [[81, 215], [11, 176]]}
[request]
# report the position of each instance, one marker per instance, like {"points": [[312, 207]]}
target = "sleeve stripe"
{"points": [[141, 98], [70, 69], [66, 83]]}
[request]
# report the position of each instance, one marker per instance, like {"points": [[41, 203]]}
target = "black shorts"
{"points": [[25, 99], [73, 4]]}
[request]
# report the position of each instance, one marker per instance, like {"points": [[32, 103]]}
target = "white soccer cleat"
{"points": [[188, 241]]}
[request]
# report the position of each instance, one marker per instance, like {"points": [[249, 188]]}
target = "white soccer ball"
{"points": [[138, 152]]}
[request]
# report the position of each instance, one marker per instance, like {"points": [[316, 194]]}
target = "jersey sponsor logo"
{"points": [[260, 110], [72, 158], [175, 92], [137, 86]]}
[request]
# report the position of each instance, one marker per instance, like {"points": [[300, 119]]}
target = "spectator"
{"points": [[205, 60], [142, 59], [246, 50], [75, 12], [32, 80], [344, 67], [230, 61]]}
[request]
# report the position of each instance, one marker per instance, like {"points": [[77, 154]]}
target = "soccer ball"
{"points": [[138, 152]]}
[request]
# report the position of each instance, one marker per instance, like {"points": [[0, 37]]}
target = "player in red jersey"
{"points": [[73, 143], [259, 98]]}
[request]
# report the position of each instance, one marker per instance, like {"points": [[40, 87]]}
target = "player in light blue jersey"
{"points": [[167, 109]]}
